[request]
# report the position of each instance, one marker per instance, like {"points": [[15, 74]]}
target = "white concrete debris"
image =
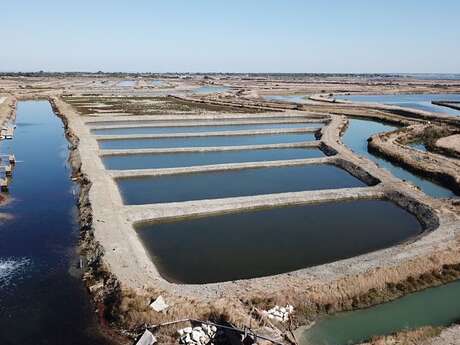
{"points": [[159, 304], [147, 338], [201, 335], [278, 313]]}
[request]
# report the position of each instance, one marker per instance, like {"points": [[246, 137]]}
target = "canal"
{"points": [[42, 297]]}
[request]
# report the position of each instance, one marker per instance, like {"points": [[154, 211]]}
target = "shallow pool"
{"points": [[287, 98], [174, 160], [232, 183], [197, 129], [208, 141], [438, 306], [416, 101], [271, 241], [203, 90]]}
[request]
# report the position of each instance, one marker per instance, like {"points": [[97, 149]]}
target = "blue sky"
{"points": [[231, 36]]}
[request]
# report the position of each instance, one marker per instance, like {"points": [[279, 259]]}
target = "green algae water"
{"points": [[271, 241], [438, 306]]}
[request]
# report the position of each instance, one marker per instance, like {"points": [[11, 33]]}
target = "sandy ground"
{"points": [[451, 142]]}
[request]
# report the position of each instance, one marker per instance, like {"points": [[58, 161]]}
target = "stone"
{"points": [[147, 338], [159, 304]]}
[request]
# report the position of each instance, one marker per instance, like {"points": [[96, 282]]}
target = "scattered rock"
{"points": [[200, 335], [147, 338], [159, 304], [280, 314]]}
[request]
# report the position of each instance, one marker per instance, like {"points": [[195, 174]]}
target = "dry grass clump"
{"points": [[134, 309], [409, 337]]}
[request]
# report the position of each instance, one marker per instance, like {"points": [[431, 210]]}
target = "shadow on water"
{"points": [[40, 302]]}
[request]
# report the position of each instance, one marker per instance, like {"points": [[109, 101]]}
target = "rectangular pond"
{"points": [[233, 183], [197, 129], [194, 120], [417, 101], [126, 83], [271, 241], [174, 160], [205, 90], [207, 141]]}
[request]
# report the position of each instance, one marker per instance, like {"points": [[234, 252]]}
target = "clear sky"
{"points": [[231, 36]]}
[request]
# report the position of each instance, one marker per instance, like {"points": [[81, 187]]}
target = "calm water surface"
{"points": [[355, 138], [416, 101], [174, 160], [439, 306], [200, 121], [197, 129], [234, 140], [265, 242], [40, 301], [127, 83], [203, 90], [243, 182], [287, 98]]}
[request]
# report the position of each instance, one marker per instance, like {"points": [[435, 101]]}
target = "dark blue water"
{"points": [[416, 101], [174, 160], [277, 240], [197, 129], [356, 139], [234, 140], [224, 184], [40, 302]]}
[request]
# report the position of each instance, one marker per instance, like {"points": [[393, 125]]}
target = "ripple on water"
{"points": [[11, 268]]}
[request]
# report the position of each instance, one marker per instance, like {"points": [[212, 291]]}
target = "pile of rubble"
{"points": [[200, 335], [278, 313]]}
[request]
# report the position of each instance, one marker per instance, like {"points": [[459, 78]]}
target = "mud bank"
{"points": [[391, 145], [101, 283]]}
